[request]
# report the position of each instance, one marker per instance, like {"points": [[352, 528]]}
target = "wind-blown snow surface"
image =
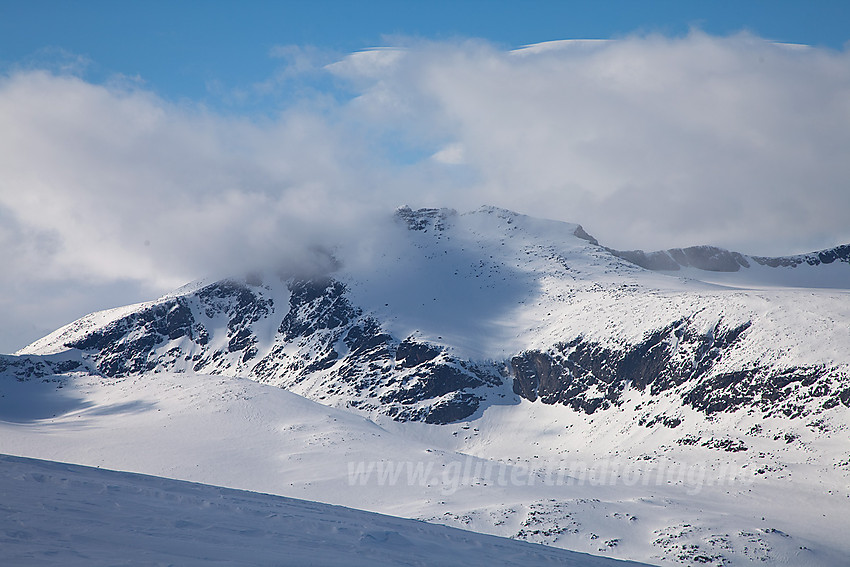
{"points": [[60, 514], [518, 379], [237, 433]]}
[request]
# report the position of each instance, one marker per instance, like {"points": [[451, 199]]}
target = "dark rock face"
{"points": [[315, 306], [410, 353], [25, 368], [580, 233], [133, 344], [126, 345], [650, 260], [588, 377], [323, 343], [322, 346], [709, 258], [837, 254], [452, 409], [357, 360], [713, 259], [422, 219], [791, 392]]}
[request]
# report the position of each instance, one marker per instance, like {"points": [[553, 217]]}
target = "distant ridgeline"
{"points": [[715, 259]]}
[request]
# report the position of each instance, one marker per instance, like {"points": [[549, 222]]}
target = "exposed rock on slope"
{"points": [[713, 259], [465, 310]]}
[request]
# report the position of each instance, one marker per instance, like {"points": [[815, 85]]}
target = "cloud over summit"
{"points": [[650, 141], [647, 141]]}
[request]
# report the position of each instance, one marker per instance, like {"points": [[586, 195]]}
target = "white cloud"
{"points": [[648, 142], [103, 185], [451, 154]]}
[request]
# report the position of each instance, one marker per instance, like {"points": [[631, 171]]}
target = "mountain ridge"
{"points": [[415, 337], [485, 340], [715, 259]]}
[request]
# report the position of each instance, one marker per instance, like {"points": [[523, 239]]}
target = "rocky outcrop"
{"points": [[588, 377], [709, 258], [172, 333], [422, 219], [581, 233], [837, 254], [346, 355], [713, 259], [30, 367], [326, 348], [308, 335], [323, 347]]}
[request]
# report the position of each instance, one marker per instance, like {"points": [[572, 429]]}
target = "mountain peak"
{"points": [[422, 219], [523, 328], [441, 320]]}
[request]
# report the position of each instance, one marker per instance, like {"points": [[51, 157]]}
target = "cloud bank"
{"points": [[109, 193], [646, 141]]}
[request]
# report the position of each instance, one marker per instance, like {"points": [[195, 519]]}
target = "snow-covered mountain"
{"points": [[710, 263], [431, 327], [662, 416]]}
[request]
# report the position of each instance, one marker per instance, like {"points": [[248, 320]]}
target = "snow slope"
{"points": [[424, 322], [484, 370], [527, 471], [61, 514], [828, 268]]}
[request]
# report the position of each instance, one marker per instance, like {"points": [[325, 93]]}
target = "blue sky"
{"points": [[183, 48], [147, 144]]}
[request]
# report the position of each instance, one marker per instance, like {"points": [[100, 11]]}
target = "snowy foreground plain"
{"points": [[237, 433], [261, 387], [60, 514]]}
